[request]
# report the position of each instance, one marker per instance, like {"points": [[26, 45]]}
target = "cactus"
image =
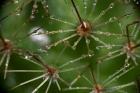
{"points": [[69, 46]]}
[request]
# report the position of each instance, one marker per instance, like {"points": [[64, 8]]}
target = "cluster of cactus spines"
{"points": [[85, 49], [129, 48]]}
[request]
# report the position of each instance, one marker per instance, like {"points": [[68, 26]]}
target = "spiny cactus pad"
{"points": [[69, 46]]}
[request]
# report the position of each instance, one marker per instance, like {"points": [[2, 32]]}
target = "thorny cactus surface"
{"points": [[70, 46]]}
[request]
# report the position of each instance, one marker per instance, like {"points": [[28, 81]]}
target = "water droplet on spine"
{"points": [[18, 14], [111, 5], [127, 65], [16, 1], [27, 57]]}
